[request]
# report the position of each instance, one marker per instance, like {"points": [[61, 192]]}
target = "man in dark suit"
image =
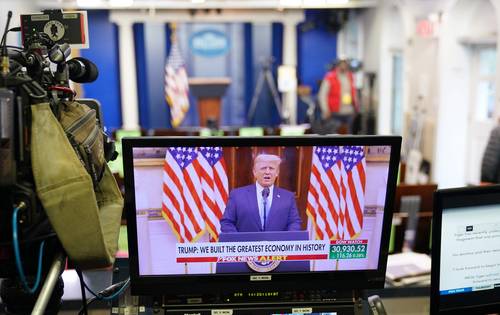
{"points": [[261, 206]]}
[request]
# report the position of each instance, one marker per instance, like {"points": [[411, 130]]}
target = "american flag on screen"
{"points": [[176, 85], [211, 169], [353, 189], [195, 191], [323, 202], [336, 191]]}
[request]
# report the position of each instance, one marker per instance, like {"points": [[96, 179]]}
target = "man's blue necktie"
{"points": [[265, 194]]}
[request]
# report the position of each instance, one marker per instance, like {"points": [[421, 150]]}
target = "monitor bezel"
{"points": [[198, 285], [450, 199]]}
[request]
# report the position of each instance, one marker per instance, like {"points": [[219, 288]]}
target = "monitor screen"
{"points": [[469, 249], [218, 207]]}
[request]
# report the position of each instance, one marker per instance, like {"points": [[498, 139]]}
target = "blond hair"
{"points": [[267, 157]]}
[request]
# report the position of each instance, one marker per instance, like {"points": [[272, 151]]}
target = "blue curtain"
{"points": [[104, 53]]}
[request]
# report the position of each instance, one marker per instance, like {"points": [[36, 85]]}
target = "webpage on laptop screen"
{"points": [[470, 249]]}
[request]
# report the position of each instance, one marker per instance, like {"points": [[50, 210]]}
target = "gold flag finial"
{"points": [[173, 35]]}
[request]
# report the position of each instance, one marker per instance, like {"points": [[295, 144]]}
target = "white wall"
{"points": [[436, 72], [17, 7], [372, 24], [459, 21], [383, 31]]}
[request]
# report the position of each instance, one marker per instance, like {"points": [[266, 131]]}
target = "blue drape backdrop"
{"points": [[248, 45]]}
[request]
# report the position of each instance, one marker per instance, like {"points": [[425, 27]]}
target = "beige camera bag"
{"points": [[86, 221]]}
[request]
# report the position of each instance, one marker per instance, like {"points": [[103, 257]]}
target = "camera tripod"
{"points": [[265, 76]]}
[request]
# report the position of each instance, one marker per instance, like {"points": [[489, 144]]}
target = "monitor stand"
{"points": [[323, 302], [273, 309]]}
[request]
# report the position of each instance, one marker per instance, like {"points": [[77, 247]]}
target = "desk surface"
{"points": [[397, 300]]}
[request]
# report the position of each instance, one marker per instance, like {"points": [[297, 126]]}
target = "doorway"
{"points": [[481, 106]]}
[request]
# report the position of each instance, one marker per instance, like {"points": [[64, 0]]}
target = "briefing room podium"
{"points": [[284, 266], [209, 93]]}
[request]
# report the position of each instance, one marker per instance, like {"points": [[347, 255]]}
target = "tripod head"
{"points": [[267, 62]]}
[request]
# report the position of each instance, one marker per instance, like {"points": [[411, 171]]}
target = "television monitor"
{"points": [[466, 251], [196, 222]]}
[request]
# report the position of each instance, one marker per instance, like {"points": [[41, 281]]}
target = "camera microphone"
{"points": [[82, 70]]}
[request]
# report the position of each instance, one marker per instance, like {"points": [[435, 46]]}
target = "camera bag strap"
{"points": [[85, 219]]}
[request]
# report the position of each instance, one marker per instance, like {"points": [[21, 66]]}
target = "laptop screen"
{"points": [[469, 248]]}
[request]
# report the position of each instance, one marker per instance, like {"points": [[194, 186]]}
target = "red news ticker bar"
{"points": [[196, 259], [348, 242], [306, 257], [288, 257]]}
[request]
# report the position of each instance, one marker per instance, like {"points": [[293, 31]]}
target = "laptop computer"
{"points": [[466, 251]]}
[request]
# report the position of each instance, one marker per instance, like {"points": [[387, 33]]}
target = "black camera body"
{"points": [[16, 182], [38, 72]]}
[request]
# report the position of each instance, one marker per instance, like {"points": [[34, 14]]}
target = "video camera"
{"points": [[38, 72]]}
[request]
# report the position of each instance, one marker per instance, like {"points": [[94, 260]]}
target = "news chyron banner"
{"points": [[231, 252]]}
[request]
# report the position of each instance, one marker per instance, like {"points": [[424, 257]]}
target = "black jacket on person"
{"points": [[490, 166]]}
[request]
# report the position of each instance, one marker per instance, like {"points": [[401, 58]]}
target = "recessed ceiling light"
{"points": [[433, 17], [291, 3], [121, 3], [314, 2], [88, 3], [332, 2]]}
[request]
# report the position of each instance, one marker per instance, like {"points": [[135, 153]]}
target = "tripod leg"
{"points": [[255, 97], [274, 92], [48, 287]]}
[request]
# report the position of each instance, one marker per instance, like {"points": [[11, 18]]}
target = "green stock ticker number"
{"points": [[347, 251]]}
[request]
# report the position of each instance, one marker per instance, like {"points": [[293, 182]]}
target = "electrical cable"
{"points": [[90, 301], [4, 36], [31, 240], [17, 48], [82, 287], [124, 284], [96, 295], [17, 254], [115, 290], [102, 294]]}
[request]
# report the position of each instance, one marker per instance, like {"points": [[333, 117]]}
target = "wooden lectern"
{"points": [[209, 92]]}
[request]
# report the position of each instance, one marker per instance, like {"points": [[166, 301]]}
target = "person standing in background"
{"points": [[337, 96]]}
